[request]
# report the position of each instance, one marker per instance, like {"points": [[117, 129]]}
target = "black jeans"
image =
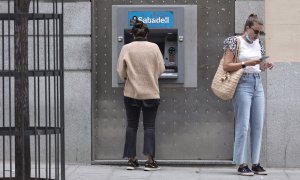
{"points": [[133, 109]]}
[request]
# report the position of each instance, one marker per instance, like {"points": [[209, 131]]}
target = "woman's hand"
{"points": [[266, 65], [269, 65]]}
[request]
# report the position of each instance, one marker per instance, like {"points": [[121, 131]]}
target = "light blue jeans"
{"points": [[249, 108]]}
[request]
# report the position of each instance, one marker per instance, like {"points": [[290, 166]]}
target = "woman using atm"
{"points": [[140, 64]]}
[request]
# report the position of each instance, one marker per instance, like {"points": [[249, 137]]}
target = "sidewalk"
{"points": [[106, 172]]}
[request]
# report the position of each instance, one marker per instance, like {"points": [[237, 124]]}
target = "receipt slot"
{"points": [[167, 28]]}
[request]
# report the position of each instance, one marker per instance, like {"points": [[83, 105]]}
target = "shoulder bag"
{"points": [[225, 83]]}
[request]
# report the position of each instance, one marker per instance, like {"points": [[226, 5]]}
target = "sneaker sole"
{"points": [[151, 169], [261, 173], [130, 168], [246, 174]]}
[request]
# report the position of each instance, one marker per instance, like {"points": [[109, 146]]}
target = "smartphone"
{"points": [[263, 58]]}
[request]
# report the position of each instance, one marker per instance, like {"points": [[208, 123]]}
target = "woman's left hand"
{"points": [[266, 65], [269, 65]]}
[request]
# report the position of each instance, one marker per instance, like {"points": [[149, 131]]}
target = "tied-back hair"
{"points": [[253, 18], [139, 29]]}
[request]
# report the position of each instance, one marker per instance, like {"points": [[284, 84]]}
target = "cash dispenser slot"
{"points": [[171, 72]]}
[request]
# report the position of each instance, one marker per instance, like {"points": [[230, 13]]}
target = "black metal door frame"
{"points": [[46, 93]]}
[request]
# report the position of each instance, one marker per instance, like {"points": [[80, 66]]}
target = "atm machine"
{"points": [[166, 30], [167, 43]]}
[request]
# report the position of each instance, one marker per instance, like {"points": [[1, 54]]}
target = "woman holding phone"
{"points": [[249, 99]]}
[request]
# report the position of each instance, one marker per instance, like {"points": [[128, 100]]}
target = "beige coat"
{"points": [[140, 64]]}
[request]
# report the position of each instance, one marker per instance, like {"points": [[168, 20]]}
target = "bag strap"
{"points": [[238, 44]]}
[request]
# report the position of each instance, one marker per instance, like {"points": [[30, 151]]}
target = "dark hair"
{"points": [[251, 20], [139, 29]]}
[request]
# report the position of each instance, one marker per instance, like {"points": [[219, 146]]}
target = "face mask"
{"points": [[248, 38]]}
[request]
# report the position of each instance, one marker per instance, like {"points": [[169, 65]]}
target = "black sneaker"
{"points": [[151, 166], [257, 169], [132, 164], [245, 171]]}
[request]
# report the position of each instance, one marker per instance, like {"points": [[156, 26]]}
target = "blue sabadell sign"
{"points": [[154, 19]]}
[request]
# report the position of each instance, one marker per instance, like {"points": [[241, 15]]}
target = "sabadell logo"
{"points": [[158, 20]]}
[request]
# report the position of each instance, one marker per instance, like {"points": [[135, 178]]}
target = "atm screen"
{"points": [[158, 36]]}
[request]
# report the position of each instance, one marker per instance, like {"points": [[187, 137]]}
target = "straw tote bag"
{"points": [[224, 83]]}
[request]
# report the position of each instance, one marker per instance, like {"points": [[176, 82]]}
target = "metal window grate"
{"points": [[32, 133]]}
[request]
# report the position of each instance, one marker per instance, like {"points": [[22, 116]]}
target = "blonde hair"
{"points": [[251, 20]]}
